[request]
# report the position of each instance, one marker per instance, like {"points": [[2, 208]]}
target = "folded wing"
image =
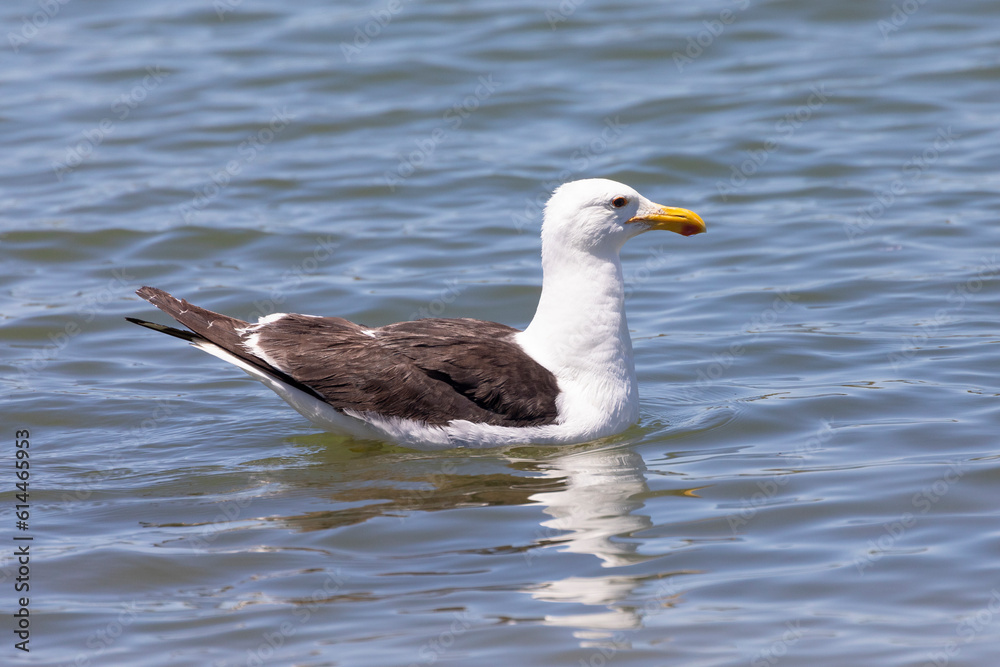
{"points": [[434, 371]]}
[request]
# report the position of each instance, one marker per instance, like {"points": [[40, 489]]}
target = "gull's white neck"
{"points": [[580, 333]]}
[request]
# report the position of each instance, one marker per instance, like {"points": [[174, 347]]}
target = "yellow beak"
{"points": [[677, 220]]}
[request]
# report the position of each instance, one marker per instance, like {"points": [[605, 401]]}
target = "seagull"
{"points": [[441, 383]]}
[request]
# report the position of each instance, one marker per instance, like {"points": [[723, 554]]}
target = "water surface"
{"points": [[812, 481]]}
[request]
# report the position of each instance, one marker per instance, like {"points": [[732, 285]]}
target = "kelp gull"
{"points": [[438, 383]]}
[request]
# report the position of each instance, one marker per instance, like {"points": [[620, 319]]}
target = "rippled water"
{"points": [[813, 481]]}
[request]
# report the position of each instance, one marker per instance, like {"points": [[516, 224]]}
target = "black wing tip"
{"points": [[189, 336], [151, 293]]}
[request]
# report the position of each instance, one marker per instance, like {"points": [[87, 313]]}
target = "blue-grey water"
{"points": [[814, 479]]}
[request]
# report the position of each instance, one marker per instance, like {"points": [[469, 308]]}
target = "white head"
{"points": [[598, 215]]}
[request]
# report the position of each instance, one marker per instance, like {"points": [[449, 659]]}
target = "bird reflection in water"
{"points": [[593, 496]]}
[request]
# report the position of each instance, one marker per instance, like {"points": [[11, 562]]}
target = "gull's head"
{"points": [[598, 215]]}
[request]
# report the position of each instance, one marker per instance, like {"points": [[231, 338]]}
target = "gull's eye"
{"points": [[618, 202]]}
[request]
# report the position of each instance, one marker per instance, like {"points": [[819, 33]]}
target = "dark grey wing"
{"points": [[433, 371], [480, 361]]}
